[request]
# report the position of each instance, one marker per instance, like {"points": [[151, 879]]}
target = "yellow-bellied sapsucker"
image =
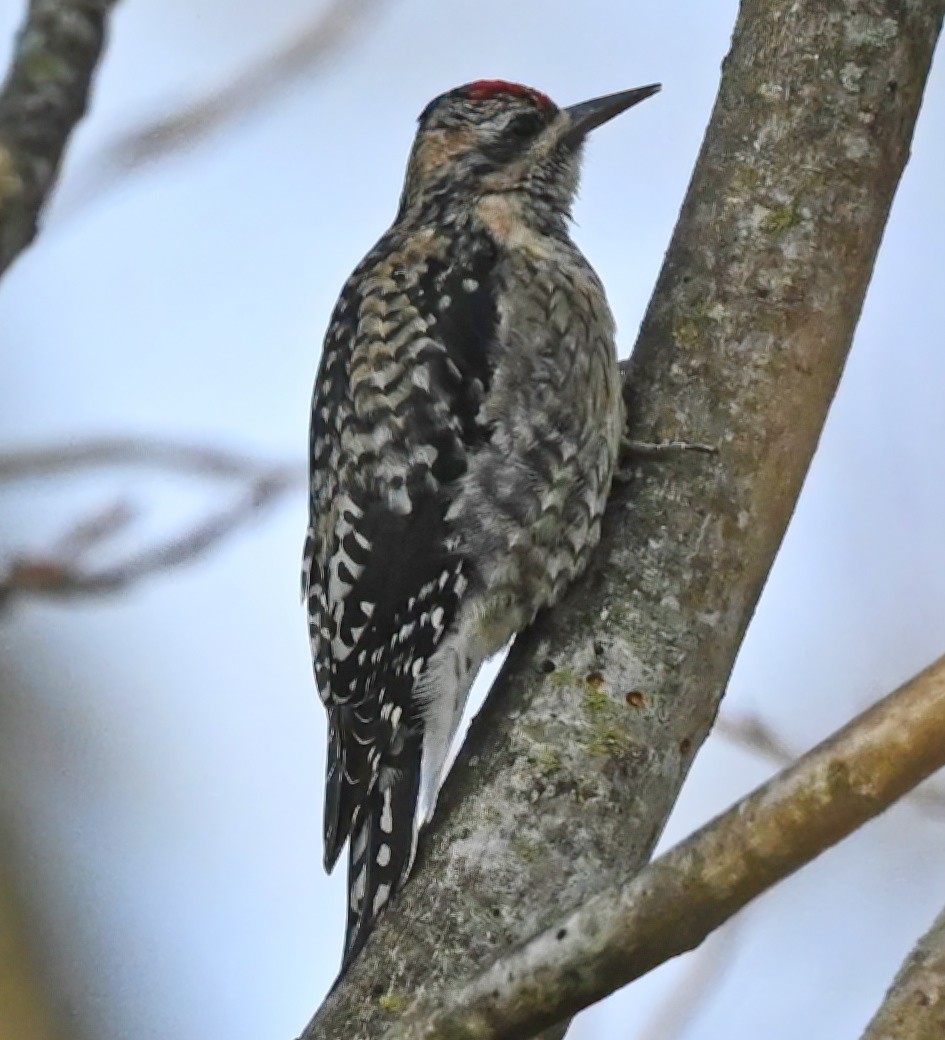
{"points": [[466, 423]]}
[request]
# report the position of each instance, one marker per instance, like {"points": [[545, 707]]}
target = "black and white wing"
{"points": [[394, 416]]}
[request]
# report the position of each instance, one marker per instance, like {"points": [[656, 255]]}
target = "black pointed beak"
{"points": [[590, 114]]}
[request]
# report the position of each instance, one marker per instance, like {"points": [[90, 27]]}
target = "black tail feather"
{"points": [[341, 797], [382, 846]]}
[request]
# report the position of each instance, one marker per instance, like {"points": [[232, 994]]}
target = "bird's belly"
{"points": [[530, 512]]}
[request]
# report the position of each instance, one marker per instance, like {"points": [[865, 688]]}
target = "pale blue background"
{"points": [[161, 753]]}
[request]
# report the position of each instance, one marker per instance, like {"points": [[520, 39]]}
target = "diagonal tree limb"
{"points": [[672, 905], [43, 98], [914, 1007], [571, 769]]}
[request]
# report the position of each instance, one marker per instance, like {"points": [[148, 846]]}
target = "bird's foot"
{"points": [[631, 449], [660, 449]]}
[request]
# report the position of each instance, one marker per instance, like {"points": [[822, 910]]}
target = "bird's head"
{"points": [[492, 137]]}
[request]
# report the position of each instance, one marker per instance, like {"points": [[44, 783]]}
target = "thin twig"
{"points": [[679, 899], [92, 531], [749, 732]]}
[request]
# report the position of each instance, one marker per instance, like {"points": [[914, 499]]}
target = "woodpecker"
{"points": [[466, 422]]}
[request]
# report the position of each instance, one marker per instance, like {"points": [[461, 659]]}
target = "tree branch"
{"points": [[571, 770], [673, 904], [914, 1007], [44, 97]]}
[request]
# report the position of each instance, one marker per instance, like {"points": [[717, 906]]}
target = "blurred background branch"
{"points": [[28, 1009], [65, 569], [753, 734], [705, 970], [68, 456], [333, 26], [45, 94]]}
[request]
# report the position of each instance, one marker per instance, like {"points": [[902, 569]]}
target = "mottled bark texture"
{"points": [[670, 906], [914, 1008], [570, 771], [44, 96]]}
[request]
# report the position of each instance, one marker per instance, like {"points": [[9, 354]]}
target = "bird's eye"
{"points": [[525, 125]]}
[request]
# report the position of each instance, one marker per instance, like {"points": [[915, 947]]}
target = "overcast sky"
{"points": [[161, 753]]}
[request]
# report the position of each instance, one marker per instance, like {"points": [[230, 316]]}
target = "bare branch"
{"points": [[672, 905], [572, 767], [169, 135], [92, 531], [914, 1008], [44, 96], [64, 571]]}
